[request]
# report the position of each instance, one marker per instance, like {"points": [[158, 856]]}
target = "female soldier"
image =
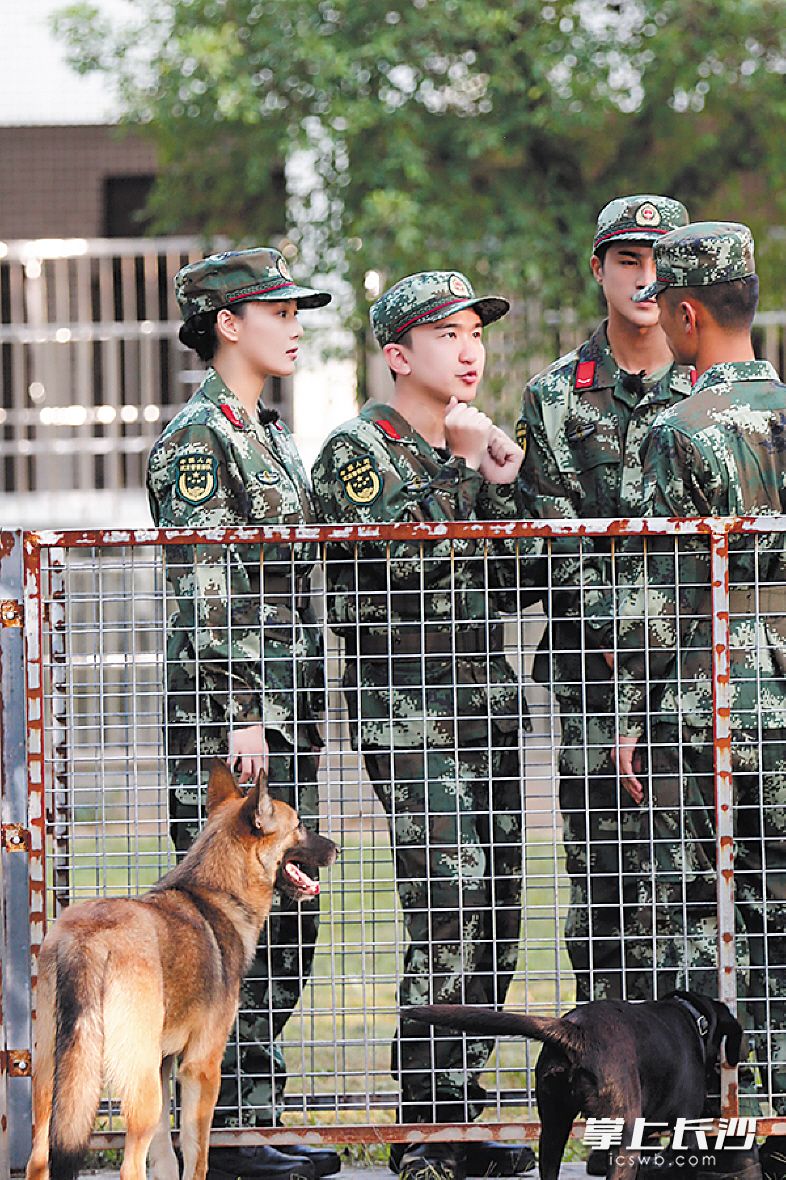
{"points": [[243, 653]]}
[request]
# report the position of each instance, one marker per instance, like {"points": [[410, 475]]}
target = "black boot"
{"points": [[324, 1160], [772, 1157], [433, 1161], [732, 1165], [259, 1163], [499, 1159]]}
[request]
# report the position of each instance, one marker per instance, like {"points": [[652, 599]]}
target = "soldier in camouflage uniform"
{"points": [[720, 453], [244, 661], [582, 422], [434, 706]]}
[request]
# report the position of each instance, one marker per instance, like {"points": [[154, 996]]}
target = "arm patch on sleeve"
{"points": [[361, 481], [196, 477]]}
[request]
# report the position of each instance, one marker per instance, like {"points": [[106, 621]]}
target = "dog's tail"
{"points": [[79, 1053], [553, 1030]]}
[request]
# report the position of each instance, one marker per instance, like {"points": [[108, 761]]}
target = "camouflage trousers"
{"points": [[253, 1072], [681, 910], [455, 822], [605, 839]]}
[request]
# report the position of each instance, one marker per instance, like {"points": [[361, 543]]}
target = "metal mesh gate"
{"points": [[99, 801]]}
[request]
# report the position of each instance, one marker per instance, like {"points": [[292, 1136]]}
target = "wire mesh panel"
{"points": [[444, 702]]}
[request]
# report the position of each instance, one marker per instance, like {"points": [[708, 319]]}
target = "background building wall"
{"points": [[55, 181]]}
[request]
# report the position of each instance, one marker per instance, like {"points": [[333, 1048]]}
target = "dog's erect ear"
{"points": [[221, 786], [731, 1029], [259, 806]]}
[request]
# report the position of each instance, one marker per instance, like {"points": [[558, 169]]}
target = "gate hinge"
{"points": [[17, 1063], [11, 613], [15, 838]]}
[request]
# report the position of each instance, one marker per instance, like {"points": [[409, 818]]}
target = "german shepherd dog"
{"points": [[126, 985], [612, 1059]]}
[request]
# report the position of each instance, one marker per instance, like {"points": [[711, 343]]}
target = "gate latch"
{"points": [[11, 613], [15, 838], [18, 1063]]}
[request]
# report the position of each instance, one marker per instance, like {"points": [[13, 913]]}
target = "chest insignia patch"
{"points": [[196, 479], [577, 432], [268, 476], [361, 480], [521, 436]]}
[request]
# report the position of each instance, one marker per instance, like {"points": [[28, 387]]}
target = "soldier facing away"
{"points": [[719, 453], [583, 420], [244, 662], [435, 707]]}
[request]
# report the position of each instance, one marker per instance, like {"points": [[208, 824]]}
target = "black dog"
{"points": [[611, 1059]]}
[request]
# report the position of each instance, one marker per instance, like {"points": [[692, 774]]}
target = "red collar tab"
{"points": [[231, 416], [694, 376], [585, 374], [387, 428]]}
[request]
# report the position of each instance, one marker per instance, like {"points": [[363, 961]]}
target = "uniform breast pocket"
{"points": [[594, 444]]}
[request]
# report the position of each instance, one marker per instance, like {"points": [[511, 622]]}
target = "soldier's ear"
{"points": [[227, 325], [397, 359]]}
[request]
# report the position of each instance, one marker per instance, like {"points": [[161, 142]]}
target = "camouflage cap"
{"points": [[236, 276], [643, 218], [427, 297], [699, 255]]}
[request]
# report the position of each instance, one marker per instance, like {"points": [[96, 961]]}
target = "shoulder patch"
{"points": [[387, 428], [585, 374], [196, 478], [521, 435], [361, 481], [268, 476]]}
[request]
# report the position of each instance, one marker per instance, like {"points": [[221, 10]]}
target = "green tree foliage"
{"points": [[481, 133]]}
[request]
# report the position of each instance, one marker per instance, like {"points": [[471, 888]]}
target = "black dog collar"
{"points": [[700, 1021]]}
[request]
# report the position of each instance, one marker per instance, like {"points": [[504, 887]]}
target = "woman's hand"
{"points": [[248, 744]]}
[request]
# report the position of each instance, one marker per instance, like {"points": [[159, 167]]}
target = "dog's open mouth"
{"points": [[295, 881], [311, 853]]}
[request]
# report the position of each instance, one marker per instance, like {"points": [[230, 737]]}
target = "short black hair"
{"points": [[602, 251], [199, 332], [732, 305]]}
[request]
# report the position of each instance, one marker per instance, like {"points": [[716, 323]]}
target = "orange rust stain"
{"points": [[727, 842]]}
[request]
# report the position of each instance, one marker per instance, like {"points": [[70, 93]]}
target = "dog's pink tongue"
{"points": [[301, 879]]}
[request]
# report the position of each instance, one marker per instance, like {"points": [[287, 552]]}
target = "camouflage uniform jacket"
{"points": [[424, 647], [582, 431], [720, 453], [243, 627]]}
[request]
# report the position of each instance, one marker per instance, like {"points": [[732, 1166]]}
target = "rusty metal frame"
{"points": [[716, 529]]}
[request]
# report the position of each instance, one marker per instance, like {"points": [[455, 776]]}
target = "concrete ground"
{"points": [[353, 1172]]}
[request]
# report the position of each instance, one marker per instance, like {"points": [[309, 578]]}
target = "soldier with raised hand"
{"points": [[434, 705], [244, 659], [583, 420], [719, 453]]}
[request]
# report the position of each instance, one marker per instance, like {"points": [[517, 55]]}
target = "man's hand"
{"points": [[628, 760], [249, 745], [466, 432], [502, 459]]}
